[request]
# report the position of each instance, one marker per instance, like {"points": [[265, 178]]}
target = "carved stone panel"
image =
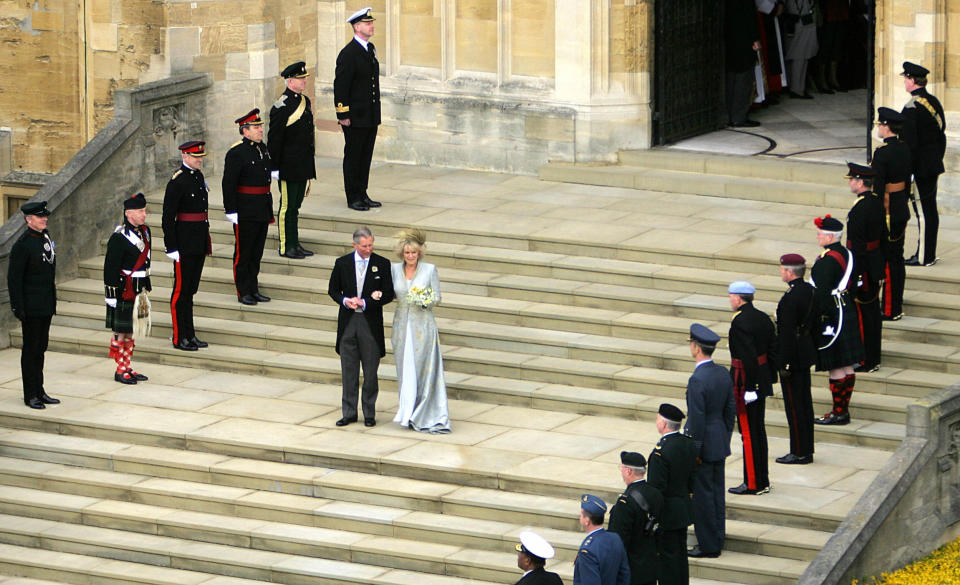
{"points": [[948, 465]]}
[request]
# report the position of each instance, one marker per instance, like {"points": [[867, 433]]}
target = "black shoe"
{"points": [[261, 298], [696, 553], [345, 421], [746, 124], [791, 459], [35, 403], [304, 251], [371, 203], [833, 418], [359, 206], [912, 261], [894, 318], [198, 343], [932, 262], [743, 490], [804, 96], [48, 399], [124, 378], [248, 300], [369, 422], [187, 345], [138, 376], [293, 254]]}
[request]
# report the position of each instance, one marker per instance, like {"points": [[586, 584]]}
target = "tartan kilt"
{"points": [[120, 319], [847, 350]]}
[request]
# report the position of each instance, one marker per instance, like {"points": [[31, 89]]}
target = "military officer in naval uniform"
{"points": [[33, 298], [532, 553], [601, 560], [634, 518], [356, 94], [186, 237], [292, 146]]}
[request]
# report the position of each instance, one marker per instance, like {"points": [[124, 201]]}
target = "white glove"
{"points": [[275, 175], [174, 255], [749, 396], [829, 330], [232, 218], [111, 302]]}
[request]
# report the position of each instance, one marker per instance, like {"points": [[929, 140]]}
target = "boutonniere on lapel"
{"points": [[373, 269]]}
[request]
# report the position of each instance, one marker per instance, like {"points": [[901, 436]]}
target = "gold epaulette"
{"points": [[176, 174], [824, 253], [237, 143], [342, 109]]}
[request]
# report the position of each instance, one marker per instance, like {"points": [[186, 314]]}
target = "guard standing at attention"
{"points": [[924, 131], [796, 353], [248, 205], [356, 93], [33, 298], [866, 233], [186, 237], [893, 165], [635, 518], [292, 147]]}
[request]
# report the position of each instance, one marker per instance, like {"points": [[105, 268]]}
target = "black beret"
{"points": [[670, 412], [632, 459], [137, 201], [828, 224]]}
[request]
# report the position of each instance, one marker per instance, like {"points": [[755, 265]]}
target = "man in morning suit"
{"points": [[532, 554], [671, 468], [248, 205], [186, 238], [356, 93], [33, 298], [753, 353], [360, 284], [635, 518], [924, 131], [893, 167], [710, 417], [601, 560], [291, 144]]}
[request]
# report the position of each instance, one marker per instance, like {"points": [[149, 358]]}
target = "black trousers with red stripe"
{"points": [[247, 253], [798, 403], [895, 274], [867, 299], [753, 432], [186, 282]]}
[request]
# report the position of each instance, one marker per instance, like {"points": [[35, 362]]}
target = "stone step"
{"points": [[12, 580], [776, 169]]}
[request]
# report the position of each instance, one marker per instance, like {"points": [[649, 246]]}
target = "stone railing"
{"points": [[136, 151], [911, 508]]}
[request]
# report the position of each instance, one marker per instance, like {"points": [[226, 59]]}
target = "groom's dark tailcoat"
{"points": [[343, 284]]}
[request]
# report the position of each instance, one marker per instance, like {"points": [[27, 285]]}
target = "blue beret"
{"points": [[593, 505], [741, 287], [702, 335]]}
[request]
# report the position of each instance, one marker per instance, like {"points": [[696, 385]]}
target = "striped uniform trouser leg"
{"points": [[288, 215]]}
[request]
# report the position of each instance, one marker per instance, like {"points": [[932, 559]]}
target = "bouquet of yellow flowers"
{"points": [[422, 296]]}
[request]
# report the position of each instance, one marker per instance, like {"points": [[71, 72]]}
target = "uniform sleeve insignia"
{"points": [[176, 174], [622, 499], [280, 102], [342, 109]]}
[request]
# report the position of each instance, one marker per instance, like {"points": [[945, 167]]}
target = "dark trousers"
{"points": [[288, 216], [709, 506], [186, 282], [739, 90], [895, 274], [798, 403], [247, 252], [672, 548], [867, 299], [928, 219], [357, 153], [753, 432], [36, 336], [359, 347]]}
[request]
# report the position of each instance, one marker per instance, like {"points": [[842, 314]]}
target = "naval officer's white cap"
{"points": [[535, 545], [362, 15]]}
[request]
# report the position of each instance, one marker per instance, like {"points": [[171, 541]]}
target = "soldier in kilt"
{"points": [[126, 281], [837, 333]]}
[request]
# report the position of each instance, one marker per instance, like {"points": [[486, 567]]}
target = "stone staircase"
{"points": [[563, 327]]}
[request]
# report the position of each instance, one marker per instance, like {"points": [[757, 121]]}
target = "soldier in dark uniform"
{"points": [[532, 554], [753, 366], [601, 560], [893, 165], [635, 516], [126, 280], [671, 468], [795, 355], [356, 93], [186, 237], [33, 298], [292, 147], [837, 332], [866, 234], [924, 131], [248, 205]]}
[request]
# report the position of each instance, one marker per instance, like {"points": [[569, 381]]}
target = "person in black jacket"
{"points": [[356, 93], [186, 237], [532, 554], [360, 284], [248, 205], [635, 517], [795, 355], [33, 298], [924, 131], [753, 355], [292, 147], [866, 233], [742, 36], [893, 165]]}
